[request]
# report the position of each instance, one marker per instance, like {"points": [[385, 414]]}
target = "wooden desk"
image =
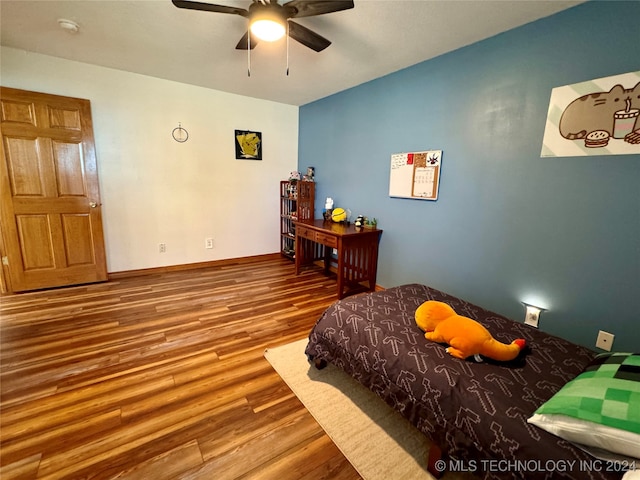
{"points": [[357, 252]]}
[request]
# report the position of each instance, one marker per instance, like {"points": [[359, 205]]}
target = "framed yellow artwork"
{"points": [[248, 145]]}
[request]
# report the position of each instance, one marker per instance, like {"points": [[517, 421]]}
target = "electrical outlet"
{"points": [[208, 243], [162, 247], [532, 318], [605, 340], [532, 315]]}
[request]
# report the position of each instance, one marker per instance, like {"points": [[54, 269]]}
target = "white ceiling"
{"points": [[153, 37]]}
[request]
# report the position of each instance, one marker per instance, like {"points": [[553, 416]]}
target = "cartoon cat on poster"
{"points": [[598, 117]]}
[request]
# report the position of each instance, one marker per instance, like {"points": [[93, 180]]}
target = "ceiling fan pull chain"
{"points": [[287, 48], [248, 53]]}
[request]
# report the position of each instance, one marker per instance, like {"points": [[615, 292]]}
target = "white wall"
{"points": [[154, 189]]}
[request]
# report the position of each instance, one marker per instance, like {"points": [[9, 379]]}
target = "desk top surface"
{"points": [[331, 227]]}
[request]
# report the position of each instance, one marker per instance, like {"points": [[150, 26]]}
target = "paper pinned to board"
{"points": [[415, 174]]}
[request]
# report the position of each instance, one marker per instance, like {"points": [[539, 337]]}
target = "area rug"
{"points": [[377, 440]]}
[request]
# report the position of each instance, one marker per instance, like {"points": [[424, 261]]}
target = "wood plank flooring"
{"points": [[162, 377]]}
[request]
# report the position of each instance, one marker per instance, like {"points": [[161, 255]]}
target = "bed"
{"points": [[474, 412]]}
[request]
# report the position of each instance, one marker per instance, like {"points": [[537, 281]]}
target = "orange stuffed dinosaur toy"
{"points": [[465, 336]]}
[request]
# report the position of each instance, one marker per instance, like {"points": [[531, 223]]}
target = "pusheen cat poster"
{"points": [[598, 117]]}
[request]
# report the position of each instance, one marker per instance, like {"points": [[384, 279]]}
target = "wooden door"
{"points": [[49, 200]]}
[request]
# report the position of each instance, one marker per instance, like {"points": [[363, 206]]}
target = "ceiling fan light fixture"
{"points": [[269, 21], [268, 26]]}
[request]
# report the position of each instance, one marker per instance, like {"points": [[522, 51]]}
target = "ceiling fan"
{"points": [[275, 19]]}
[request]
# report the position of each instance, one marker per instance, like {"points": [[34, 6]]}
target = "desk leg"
{"points": [[327, 259], [340, 272], [298, 254], [373, 265]]}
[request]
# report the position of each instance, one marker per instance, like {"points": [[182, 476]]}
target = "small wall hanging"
{"points": [[248, 145], [179, 134], [415, 175]]}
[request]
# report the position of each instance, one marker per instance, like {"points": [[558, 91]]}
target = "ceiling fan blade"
{"points": [[209, 7], [309, 8], [243, 44], [307, 37]]}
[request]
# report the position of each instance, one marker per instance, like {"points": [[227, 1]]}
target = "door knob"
{"points": [[93, 204]]}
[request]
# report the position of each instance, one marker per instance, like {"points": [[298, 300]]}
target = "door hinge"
{"points": [[5, 260]]}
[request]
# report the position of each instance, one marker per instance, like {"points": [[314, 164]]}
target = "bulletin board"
{"points": [[415, 175]]}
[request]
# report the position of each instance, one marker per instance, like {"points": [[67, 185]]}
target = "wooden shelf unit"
{"points": [[296, 203]]}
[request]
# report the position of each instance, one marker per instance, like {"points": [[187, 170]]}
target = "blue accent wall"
{"points": [[509, 226]]}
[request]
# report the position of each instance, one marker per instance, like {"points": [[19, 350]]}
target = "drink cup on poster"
{"points": [[624, 121]]}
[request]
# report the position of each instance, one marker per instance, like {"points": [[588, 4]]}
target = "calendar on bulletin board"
{"points": [[415, 175]]}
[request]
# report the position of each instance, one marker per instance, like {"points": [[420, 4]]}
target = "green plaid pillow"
{"points": [[606, 393]]}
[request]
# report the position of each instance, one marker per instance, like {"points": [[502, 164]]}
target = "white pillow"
{"points": [[589, 433]]}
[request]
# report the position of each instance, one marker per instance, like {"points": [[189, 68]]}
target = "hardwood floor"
{"points": [[162, 377]]}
